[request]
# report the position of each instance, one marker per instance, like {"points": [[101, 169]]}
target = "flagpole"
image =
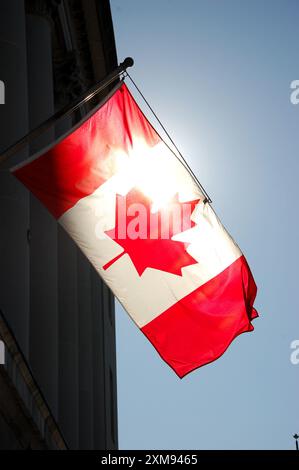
{"points": [[66, 111]]}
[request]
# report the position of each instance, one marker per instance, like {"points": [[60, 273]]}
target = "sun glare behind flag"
{"points": [[143, 222]]}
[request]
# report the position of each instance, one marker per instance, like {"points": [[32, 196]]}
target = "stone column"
{"points": [[43, 228], [14, 198]]}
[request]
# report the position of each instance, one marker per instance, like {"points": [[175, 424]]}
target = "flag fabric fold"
{"points": [[141, 220]]}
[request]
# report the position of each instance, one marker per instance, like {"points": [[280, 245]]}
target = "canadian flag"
{"points": [[144, 224]]}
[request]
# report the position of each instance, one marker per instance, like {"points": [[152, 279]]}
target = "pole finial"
{"points": [[128, 62]]}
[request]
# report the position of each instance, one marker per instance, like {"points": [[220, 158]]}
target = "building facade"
{"points": [[57, 309]]}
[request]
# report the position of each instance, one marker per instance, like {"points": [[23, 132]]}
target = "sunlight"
{"points": [[154, 171]]}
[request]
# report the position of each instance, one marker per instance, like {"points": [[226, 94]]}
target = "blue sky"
{"points": [[218, 74]]}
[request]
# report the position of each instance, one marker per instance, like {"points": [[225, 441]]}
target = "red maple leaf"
{"points": [[145, 236]]}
